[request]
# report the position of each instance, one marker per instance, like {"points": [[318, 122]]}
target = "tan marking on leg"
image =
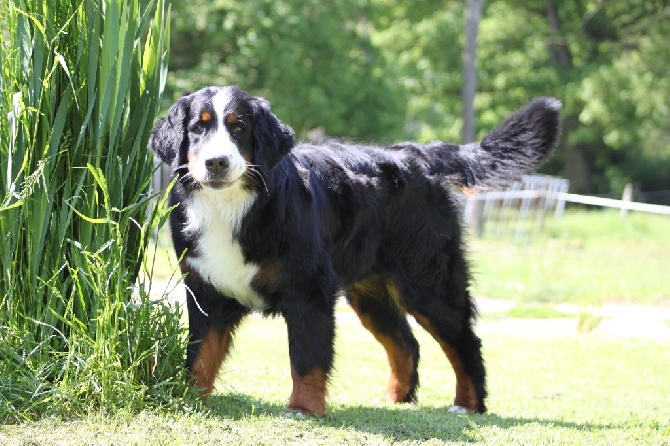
{"points": [[371, 287], [394, 292], [465, 390], [213, 349], [309, 392], [401, 367], [400, 361]]}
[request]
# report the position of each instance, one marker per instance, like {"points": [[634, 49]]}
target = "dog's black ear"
{"points": [[169, 133], [272, 138]]}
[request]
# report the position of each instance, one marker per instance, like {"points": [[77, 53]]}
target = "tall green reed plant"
{"points": [[81, 83]]}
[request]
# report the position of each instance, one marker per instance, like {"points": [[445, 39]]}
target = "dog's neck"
{"points": [[215, 217], [226, 207]]}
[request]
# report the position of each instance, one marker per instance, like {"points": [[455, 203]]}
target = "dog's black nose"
{"points": [[217, 165]]}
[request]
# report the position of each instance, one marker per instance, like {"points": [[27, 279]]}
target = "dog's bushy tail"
{"points": [[518, 147]]}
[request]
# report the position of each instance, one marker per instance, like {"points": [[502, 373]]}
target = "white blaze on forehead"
{"points": [[219, 143], [220, 101]]}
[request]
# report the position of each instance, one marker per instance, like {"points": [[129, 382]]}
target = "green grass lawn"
{"points": [[582, 258], [581, 389]]}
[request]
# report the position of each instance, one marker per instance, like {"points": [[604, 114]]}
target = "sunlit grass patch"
{"points": [[543, 390], [582, 258], [535, 311]]}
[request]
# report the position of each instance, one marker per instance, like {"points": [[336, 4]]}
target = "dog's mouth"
{"points": [[220, 180], [217, 183], [201, 178]]}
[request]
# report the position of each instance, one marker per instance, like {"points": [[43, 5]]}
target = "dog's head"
{"points": [[219, 136]]}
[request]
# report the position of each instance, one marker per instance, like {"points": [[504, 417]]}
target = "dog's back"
{"points": [[378, 198]]}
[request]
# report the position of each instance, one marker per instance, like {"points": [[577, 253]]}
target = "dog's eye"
{"points": [[238, 127], [198, 128]]}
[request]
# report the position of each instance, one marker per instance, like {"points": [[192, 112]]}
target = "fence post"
{"points": [[478, 216], [626, 198]]}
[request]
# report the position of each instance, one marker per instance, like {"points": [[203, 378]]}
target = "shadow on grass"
{"points": [[397, 423]]}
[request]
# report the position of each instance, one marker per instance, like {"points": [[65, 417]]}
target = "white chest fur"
{"points": [[214, 215]]}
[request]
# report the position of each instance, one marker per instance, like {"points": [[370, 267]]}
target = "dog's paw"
{"points": [[296, 414], [459, 410]]}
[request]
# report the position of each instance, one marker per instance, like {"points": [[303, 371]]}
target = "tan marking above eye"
{"points": [[231, 118], [205, 116]]}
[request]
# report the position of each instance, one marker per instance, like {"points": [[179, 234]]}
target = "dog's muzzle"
{"points": [[218, 172]]}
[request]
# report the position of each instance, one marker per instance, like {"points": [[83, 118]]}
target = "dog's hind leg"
{"points": [[375, 306], [463, 349], [448, 318]]}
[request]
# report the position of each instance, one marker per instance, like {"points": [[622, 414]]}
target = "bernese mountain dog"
{"points": [[262, 223]]}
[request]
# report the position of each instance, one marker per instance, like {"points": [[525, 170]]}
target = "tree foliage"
{"points": [[384, 70], [313, 60]]}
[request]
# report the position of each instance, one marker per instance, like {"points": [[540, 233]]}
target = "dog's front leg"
{"points": [[311, 331], [212, 319]]}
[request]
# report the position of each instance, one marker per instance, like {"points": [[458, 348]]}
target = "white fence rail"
{"points": [[612, 203]]}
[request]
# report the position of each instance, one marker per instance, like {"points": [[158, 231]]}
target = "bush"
{"points": [[80, 86]]}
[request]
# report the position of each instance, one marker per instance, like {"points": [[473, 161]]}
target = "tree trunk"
{"points": [[576, 165], [473, 14]]}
